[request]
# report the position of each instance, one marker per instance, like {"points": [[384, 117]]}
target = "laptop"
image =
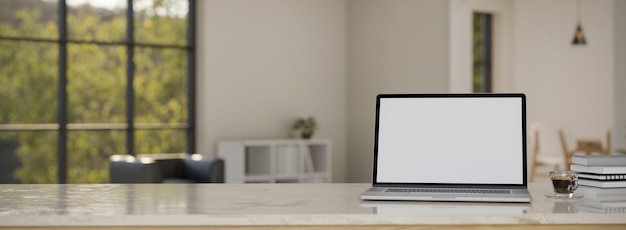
{"points": [[445, 208], [450, 147]]}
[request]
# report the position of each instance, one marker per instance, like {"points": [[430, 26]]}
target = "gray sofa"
{"points": [[166, 168]]}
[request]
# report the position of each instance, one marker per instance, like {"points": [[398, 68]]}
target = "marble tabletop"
{"points": [[273, 204]]}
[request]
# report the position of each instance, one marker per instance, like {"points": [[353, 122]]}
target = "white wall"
{"points": [[261, 64], [394, 46], [567, 87], [460, 46]]}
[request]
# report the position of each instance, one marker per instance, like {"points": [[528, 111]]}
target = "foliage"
{"points": [[479, 35], [96, 89], [305, 125]]}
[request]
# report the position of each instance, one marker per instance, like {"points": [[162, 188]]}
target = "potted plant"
{"points": [[306, 126]]}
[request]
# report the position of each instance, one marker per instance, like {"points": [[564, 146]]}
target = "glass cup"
{"points": [[564, 183]]}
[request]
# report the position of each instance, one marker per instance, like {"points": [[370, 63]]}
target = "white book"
{"points": [[600, 160], [616, 193], [602, 176], [287, 159], [602, 184], [599, 169]]}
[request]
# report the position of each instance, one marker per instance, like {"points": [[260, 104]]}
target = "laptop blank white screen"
{"points": [[472, 140]]}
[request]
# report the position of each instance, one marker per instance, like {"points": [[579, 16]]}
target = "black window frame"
{"points": [[62, 126], [486, 43]]}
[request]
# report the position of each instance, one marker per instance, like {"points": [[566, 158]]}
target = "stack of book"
{"points": [[602, 181], [600, 175]]}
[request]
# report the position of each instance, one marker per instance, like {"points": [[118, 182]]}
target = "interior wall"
{"points": [[262, 64], [568, 87], [460, 42], [620, 75], [394, 46]]}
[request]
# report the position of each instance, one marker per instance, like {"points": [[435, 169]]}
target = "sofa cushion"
{"points": [[198, 169], [177, 181], [170, 167]]}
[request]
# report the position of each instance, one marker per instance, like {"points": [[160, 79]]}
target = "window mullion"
{"points": [[62, 95], [130, 71], [191, 76]]}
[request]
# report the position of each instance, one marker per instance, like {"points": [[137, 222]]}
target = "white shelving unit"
{"points": [[276, 161]]}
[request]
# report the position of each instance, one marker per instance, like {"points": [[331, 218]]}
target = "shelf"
{"points": [[276, 161]]}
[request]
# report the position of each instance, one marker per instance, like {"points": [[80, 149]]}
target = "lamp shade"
{"points": [[579, 36]]}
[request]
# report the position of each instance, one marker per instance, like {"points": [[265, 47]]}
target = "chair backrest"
{"points": [[585, 146], [608, 142], [544, 140], [566, 152], [535, 143]]}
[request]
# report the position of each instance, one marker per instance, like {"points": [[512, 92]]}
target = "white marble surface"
{"points": [[272, 204]]}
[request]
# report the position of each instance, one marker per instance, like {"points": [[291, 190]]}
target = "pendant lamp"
{"points": [[579, 36]]}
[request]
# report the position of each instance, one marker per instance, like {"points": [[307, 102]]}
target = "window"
{"points": [[81, 80], [482, 41]]}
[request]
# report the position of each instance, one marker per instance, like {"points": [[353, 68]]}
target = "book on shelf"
{"points": [[602, 184], [602, 176], [599, 160], [599, 169]]}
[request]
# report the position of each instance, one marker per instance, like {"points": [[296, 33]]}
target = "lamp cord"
{"points": [[579, 11]]}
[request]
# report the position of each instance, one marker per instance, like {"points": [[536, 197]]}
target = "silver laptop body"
{"points": [[450, 147], [446, 208]]}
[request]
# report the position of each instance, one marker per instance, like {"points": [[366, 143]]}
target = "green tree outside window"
{"points": [[96, 74]]}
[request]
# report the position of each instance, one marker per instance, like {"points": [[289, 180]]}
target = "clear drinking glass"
{"points": [[564, 183]]}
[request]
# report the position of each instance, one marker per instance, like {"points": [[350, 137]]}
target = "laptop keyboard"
{"points": [[429, 190]]}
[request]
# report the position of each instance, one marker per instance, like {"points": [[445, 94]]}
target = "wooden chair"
{"points": [[543, 154], [584, 146]]}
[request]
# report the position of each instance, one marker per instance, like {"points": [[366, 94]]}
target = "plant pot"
{"points": [[307, 135]]}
